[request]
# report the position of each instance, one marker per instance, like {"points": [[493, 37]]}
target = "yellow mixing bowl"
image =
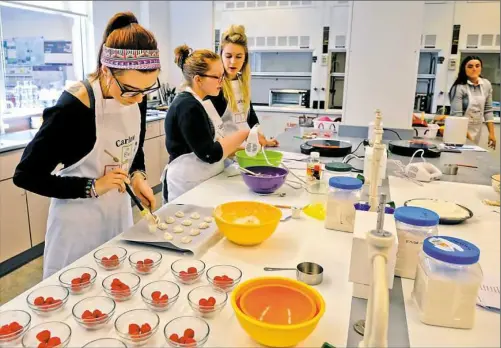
{"points": [[247, 222], [272, 335]]}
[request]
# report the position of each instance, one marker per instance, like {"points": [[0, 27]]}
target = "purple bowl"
{"points": [[273, 179]]}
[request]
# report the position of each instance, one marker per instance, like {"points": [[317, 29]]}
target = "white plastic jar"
{"points": [[344, 192], [447, 281], [414, 225]]}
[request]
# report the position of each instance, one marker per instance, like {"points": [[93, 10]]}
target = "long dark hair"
{"points": [[462, 78], [124, 31]]}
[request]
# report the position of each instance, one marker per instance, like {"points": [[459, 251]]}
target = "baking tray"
{"points": [[446, 221], [140, 233]]}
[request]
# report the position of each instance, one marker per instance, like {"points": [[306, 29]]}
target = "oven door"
{"points": [[287, 98]]}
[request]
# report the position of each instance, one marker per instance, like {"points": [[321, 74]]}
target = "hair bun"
{"points": [[181, 53], [122, 19], [237, 29], [233, 31]]}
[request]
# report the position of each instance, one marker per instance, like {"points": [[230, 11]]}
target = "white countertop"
{"points": [[483, 231], [294, 241], [288, 246]]}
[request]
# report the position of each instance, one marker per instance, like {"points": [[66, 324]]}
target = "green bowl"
{"points": [[245, 161]]}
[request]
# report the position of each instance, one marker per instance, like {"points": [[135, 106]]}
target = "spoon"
{"points": [[248, 171], [281, 194]]}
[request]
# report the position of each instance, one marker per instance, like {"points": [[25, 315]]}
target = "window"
{"points": [[42, 53]]}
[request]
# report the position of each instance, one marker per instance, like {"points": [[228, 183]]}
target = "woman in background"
{"points": [[96, 130], [471, 96], [195, 137], [233, 102]]}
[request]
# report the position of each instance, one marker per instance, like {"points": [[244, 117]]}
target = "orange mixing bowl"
{"points": [[284, 324]]}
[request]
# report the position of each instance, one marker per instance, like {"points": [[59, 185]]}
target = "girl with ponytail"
{"points": [[96, 130], [196, 138]]}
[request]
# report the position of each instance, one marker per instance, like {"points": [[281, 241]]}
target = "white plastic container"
{"points": [[447, 282], [431, 132], [414, 225], [344, 192]]}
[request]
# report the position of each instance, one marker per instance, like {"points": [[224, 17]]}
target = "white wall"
{"points": [[158, 12], [384, 46], [102, 11], [439, 20], [189, 23], [475, 18]]}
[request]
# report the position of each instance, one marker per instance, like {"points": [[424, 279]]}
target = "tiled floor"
{"points": [[25, 277]]}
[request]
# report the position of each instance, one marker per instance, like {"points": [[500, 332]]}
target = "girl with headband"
{"points": [[96, 130]]}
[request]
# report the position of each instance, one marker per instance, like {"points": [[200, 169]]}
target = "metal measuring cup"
{"points": [[307, 272]]}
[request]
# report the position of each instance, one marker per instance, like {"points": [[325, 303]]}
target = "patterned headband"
{"points": [[130, 59]]}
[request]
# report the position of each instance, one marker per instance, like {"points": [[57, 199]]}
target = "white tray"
{"points": [[140, 233]]}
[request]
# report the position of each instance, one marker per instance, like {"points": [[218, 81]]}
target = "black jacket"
{"points": [[67, 134]]}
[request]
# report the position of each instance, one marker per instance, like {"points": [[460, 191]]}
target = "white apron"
{"points": [[77, 226], [475, 113], [187, 171], [234, 121]]}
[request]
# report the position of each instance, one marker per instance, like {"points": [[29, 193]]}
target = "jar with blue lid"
{"points": [[414, 225], [344, 193], [448, 279]]}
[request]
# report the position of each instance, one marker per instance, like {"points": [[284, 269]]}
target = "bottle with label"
{"points": [[314, 167]]}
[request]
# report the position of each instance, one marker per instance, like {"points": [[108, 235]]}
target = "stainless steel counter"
{"points": [[487, 162]]}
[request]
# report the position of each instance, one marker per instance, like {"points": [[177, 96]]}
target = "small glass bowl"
{"points": [[55, 292], [180, 268], [107, 252], [206, 291], [66, 279], [6, 318], [105, 343], [104, 304], [139, 317], [56, 328], [178, 325], [165, 287], [141, 268], [130, 279], [220, 270]]}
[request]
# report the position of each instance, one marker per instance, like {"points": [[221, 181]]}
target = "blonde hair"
{"points": [[193, 63], [236, 35]]}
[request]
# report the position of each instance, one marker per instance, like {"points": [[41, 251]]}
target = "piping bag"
{"points": [[145, 213]]}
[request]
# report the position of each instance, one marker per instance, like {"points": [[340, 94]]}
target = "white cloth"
{"points": [[475, 113], [234, 121], [77, 226], [187, 171]]}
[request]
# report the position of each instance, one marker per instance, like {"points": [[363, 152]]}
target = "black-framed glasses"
{"points": [[127, 92], [219, 78]]}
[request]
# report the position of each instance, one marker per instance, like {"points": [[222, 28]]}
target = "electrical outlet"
{"points": [[452, 64], [324, 59]]}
